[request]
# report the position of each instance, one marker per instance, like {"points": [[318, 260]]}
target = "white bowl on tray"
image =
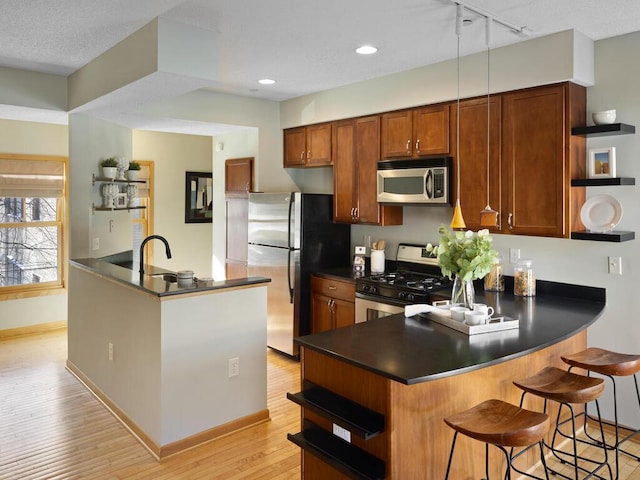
{"points": [[605, 117]]}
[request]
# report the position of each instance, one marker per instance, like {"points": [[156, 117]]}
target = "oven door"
{"points": [[368, 308]]}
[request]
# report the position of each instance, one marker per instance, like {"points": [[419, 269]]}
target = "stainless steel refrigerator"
{"points": [[292, 235]]}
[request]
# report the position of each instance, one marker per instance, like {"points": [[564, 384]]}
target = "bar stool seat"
{"points": [[566, 388], [609, 364], [501, 424]]}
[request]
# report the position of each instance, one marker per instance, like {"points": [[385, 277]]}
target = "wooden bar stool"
{"points": [[609, 364], [501, 424], [567, 388]]}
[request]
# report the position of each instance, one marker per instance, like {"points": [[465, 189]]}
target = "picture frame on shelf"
{"points": [[121, 200], [601, 162]]}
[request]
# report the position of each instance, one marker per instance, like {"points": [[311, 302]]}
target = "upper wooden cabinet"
{"points": [[308, 146], [533, 158], [416, 133], [356, 154], [238, 177]]}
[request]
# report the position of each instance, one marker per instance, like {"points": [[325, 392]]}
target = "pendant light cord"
{"points": [[488, 37], [458, 33]]}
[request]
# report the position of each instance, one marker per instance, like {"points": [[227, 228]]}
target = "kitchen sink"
{"points": [[167, 277]]}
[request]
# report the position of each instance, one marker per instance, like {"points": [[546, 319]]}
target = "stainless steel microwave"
{"points": [[420, 181]]}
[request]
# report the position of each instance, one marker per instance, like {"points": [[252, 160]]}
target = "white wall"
{"points": [[33, 139], [174, 154]]}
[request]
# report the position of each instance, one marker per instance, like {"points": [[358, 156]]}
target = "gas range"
{"points": [[416, 277]]}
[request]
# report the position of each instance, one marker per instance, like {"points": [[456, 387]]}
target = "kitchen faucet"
{"points": [[144, 242]]}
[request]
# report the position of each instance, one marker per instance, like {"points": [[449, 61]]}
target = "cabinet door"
{"points": [[344, 313], [344, 180], [238, 173], [294, 147], [431, 130], [397, 134], [321, 314], [533, 156], [473, 158], [318, 141], [367, 155]]}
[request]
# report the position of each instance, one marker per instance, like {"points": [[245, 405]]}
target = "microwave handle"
{"points": [[428, 184]]}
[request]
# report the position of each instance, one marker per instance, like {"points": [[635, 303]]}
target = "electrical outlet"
{"points": [[234, 367], [615, 265], [361, 250], [110, 351], [343, 433], [514, 255], [95, 244]]}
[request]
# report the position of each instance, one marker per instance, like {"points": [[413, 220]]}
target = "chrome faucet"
{"points": [[145, 241]]}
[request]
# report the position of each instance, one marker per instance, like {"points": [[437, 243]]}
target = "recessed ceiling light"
{"points": [[266, 81], [366, 50]]}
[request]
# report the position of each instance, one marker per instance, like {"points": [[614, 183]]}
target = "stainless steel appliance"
{"points": [[291, 235], [416, 278], [426, 180]]}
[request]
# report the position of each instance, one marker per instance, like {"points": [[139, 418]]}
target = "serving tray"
{"points": [[442, 316]]}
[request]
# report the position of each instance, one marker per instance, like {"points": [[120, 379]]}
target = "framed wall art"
{"points": [[601, 162], [121, 200]]}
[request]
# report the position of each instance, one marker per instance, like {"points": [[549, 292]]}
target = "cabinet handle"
{"points": [[308, 154], [418, 145], [409, 146], [509, 223], [332, 287], [329, 304], [302, 155]]}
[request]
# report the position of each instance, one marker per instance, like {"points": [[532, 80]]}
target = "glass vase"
{"points": [[463, 293]]}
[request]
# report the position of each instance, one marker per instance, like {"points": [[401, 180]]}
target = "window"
{"points": [[31, 222]]}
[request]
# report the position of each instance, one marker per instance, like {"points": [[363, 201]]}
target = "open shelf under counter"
{"points": [[612, 236], [604, 130]]}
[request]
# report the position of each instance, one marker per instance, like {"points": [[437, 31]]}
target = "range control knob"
{"points": [[411, 297]]}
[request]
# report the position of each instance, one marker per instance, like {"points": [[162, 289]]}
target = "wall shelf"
{"points": [[95, 180], [604, 130], [612, 236], [601, 182], [113, 209]]}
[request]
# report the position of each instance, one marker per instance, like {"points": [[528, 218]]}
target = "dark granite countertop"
{"points": [[154, 285], [416, 349]]}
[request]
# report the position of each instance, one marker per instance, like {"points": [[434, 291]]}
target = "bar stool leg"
{"points": [[453, 446]]}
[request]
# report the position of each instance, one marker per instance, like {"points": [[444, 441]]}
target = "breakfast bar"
{"points": [[403, 375]]}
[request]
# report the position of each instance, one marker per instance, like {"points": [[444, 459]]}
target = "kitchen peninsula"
{"points": [[388, 383], [160, 356]]}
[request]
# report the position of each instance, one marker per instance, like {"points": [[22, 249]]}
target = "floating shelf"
{"points": [[345, 457], [604, 130], [112, 209], [95, 179], [613, 236], [600, 182], [354, 417]]}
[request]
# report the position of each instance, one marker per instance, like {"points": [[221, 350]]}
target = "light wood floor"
{"points": [[51, 427]]}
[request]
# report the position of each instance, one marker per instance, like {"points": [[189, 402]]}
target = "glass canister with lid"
{"points": [[524, 281], [494, 281]]}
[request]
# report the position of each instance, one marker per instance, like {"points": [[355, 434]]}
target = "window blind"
{"points": [[26, 176]]}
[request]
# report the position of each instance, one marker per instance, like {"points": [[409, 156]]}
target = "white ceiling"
{"points": [[307, 46]]}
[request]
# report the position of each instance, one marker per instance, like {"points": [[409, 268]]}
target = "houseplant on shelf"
{"points": [[133, 171], [109, 167], [464, 257]]}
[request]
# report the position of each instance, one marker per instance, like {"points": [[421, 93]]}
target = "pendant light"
{"points": [[457, 222], [488, 216]]}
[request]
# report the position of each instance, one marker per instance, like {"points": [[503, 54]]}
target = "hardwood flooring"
{"points": [[52, 428]]}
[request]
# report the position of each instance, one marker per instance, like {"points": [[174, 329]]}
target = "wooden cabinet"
{"points": [[308, 146], [238, 177], [533, 158], [473, 157], [416, 133], [356, 154], [332, 303]]}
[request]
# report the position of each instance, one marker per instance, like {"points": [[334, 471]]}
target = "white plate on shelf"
{"points": [[601, 213]]}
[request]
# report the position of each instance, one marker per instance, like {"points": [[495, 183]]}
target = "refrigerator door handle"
{"points": [[291, 200], [289, 253]]}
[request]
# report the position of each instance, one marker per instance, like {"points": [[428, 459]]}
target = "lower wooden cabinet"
{"points": [[332, 303]]}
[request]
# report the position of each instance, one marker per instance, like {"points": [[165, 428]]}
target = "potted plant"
{"points": [[109, 167], [465, 257], [134, 170]]}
